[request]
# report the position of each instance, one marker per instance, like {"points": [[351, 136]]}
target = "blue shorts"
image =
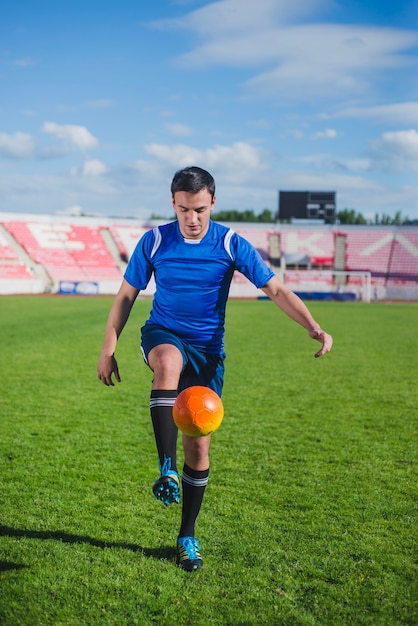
{"points": [[199, 367]]}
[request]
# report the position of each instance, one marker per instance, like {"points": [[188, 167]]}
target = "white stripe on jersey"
{"points": [[227, 243], [157, 242], [158, 239]]}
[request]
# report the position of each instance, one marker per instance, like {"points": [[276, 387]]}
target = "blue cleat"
{"points": [[167, 487], [188, 555]]}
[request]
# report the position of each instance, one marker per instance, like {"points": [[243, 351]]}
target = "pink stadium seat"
{"points": [[16, 271], [368, 250], [67, 252], [259, 238], [385, 253], [404, 257], [126, 238]]}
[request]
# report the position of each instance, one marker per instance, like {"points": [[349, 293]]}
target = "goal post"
{"points": [[357, 280]]}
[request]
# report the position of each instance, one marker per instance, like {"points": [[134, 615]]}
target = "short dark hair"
{"points": [[193, 179]]}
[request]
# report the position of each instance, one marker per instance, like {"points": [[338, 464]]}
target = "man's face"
{"points": [[193, 212]]}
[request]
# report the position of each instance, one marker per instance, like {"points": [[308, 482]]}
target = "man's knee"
{"points": [[166, 361], [196, 451]]}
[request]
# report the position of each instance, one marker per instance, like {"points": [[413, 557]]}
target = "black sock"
{"points": [[193, 484], [165, 430]]}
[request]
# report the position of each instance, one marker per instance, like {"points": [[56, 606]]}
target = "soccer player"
{"points": [[193, 260]]}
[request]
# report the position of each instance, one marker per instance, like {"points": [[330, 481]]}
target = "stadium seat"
{"points": [[66, 251]]}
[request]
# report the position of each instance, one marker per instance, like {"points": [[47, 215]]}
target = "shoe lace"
{"points": [[166, 466], [191, 545]]}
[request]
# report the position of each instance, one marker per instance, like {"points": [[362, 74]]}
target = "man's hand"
{"points": [[106, 367], [322, 337]]}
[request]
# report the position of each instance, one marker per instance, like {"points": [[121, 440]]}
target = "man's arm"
{"points": [[118, 316], [296, 309]]}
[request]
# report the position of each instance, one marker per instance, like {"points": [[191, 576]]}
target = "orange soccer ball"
{"points": [[198, 411]]}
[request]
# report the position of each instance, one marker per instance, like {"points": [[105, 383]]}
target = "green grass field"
{"points": [[310, 515]]}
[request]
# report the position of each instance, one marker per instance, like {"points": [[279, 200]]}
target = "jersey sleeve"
{"points": [[139, 269], [249, 262]]}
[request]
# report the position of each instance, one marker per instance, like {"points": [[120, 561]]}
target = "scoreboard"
{"points": [[312, 205]]}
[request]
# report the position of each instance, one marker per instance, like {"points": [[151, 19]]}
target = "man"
{"points": [[193, 261]]}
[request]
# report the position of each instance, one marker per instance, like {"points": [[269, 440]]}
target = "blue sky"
{"points": [[102, 101]]}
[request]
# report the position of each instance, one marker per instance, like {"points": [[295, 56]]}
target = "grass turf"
{"points": [[311, 509]]}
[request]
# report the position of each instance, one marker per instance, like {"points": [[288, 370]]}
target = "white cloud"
{"points": [[328, 133], [331, 180], [356, 165], [309, 59], [94, 167], [226, 17], [404, 142], [262, 124], [316, 160], [235, 160], [238, 158], [396, 150], [17, 146], [78, 136], [403, 112], [181, 130], [328, 163], [176, 156], [297, 133], [53, 152], [326, 60]]}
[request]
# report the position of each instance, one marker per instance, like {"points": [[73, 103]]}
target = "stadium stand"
{"points": [[369, 251], [6, 251], [314, 247], [402, 275], [259, 238], [403, 260], [126, 238], [15, 274], [51, 254], [68, 252], [15, 271]]}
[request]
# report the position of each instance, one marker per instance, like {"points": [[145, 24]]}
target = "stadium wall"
{"points": [[88, 255]]}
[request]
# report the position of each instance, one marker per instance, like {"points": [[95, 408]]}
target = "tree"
{"points": [[398, 220], [266, 216], [349, 216]]}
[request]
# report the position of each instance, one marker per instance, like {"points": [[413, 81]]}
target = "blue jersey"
{"points": [[193, 278]]}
